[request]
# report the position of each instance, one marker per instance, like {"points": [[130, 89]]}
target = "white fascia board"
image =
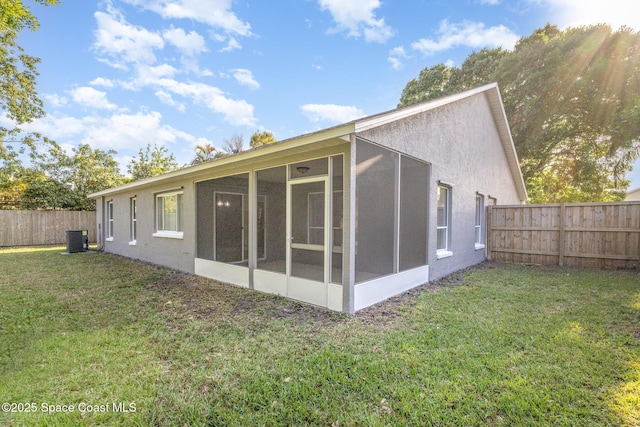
{"points": [[287, 144], [502, 123]]}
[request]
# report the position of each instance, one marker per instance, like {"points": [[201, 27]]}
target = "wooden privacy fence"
{"points": [[26, 228], [601, 235]]}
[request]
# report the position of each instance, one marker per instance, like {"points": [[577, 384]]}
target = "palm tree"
{"points": [[204, 153]]}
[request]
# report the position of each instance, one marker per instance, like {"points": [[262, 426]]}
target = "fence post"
{"points": [[561, 239], [489, 231]]}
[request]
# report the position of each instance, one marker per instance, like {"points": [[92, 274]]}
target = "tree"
{"points": [[204, 153], [83, 170], [433, 82], [259, 139], [233, 145], [11, 184], [18, 72], [154, 160], [573, 102], [42, 192]]}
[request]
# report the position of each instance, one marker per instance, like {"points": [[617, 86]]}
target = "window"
{"points": [[444, 218], [479, 221], [169, 215], [109, 221], [133, 207]]}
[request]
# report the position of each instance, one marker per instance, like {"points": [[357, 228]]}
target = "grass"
{"points": [[499, 345]]}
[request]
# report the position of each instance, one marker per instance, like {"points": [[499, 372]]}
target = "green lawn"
{"points": [[505, 345]]}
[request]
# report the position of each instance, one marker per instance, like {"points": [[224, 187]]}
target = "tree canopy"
{"points": [[154, 160], [204, 153], [18, 96], [573, 102], [259, 139], [82, 171]]}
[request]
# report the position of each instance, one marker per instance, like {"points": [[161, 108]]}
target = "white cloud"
{"points": [[90, 97], [396, 64], [358, 19], [167, 99], [55, 100], [116, 131], [469, 34], [588, 12], [149, 75], [216, 13], [245, 78], [231, 46], [490, 2], [331, 113], [54, 127], [128, 131], [235, 112], [101, 81], [124, 43], [191, 65], [190, 44], [396, 55]]}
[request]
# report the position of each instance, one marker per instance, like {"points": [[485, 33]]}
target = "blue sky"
{"points": [[119, 74]]}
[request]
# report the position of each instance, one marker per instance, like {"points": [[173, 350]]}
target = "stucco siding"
{"points": [[462, 143], [170, 252]]}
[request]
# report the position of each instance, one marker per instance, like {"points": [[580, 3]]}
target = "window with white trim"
{"points": [[133, 208], [444, 222], [169, 215], [110, 220], [479, 221]]}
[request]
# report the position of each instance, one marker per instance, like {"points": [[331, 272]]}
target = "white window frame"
{"points": [[480, 218], [159, 219], [133, 211], [109, 237], [445, 251]]}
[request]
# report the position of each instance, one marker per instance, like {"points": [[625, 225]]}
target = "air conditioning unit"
{"points": [[77, 241]]}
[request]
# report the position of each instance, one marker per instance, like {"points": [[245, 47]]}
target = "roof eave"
{"points": [[299, 141], [495, 100]]}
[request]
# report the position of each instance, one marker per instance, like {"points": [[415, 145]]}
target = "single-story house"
{"points": [[633, 195], [341, 218]]}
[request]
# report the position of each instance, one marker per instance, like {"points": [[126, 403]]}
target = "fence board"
{"points": [[29, 228], [603, 235]]}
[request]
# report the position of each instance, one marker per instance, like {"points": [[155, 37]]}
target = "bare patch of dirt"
{"points": [[193, 297]]}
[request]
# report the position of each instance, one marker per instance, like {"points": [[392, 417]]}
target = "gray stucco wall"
{"points": [[175, 253], [462, 143]]}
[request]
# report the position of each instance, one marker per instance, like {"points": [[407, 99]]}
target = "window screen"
{"points": [[375, 210], [414, 202]]}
